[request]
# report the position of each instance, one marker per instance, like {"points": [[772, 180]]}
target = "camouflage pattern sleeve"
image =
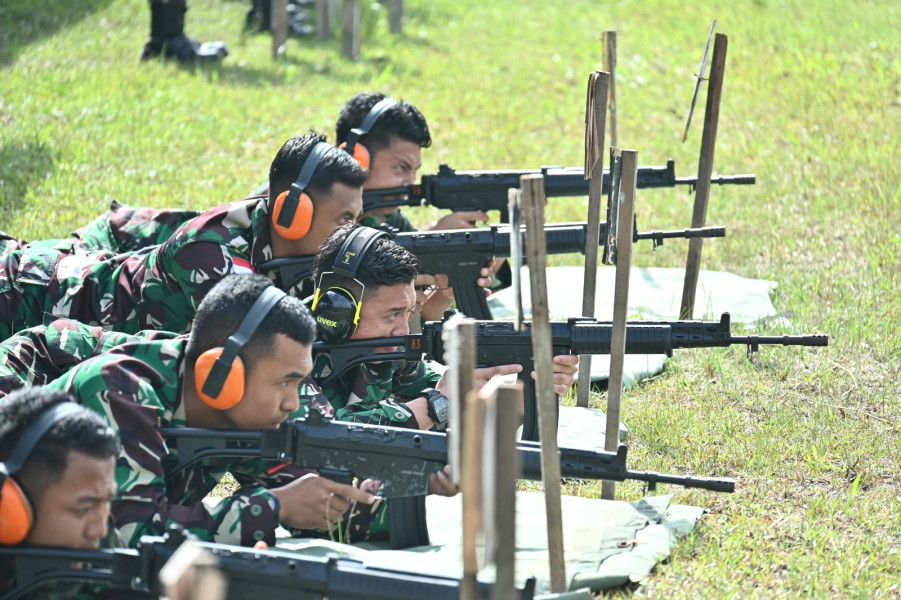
{"points": [[365, 394], [135, 388], [39, 355], [126, 228]]}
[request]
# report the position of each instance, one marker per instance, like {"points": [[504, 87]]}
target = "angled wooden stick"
{"points": [[626, 208], [596, 116], [705, 170], [533, 201]]}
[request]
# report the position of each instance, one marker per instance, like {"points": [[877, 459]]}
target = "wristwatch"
{"points": [[439, 407]]}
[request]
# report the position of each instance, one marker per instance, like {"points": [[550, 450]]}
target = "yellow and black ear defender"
{"points": [[219, 372], [16, 511], [335, 308], [353, 146], [292, 214]]}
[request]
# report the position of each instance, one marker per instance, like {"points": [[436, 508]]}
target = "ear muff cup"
{"points": [[16, 514], [300, 223], [337, 313], [360, 153], [233, 388]]}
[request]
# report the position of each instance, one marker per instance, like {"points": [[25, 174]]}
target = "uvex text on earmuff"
{"points": [[353, 146], [219, 372], [16, 512], [336, 308], [292, 214]]}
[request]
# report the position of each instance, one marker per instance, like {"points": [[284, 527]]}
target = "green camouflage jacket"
{"points": [[38, 355], [158, 287], [369, 393]]}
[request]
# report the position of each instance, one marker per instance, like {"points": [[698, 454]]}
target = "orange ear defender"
{"points": [[337, 309], [16, 512], [292, 214], [353, 146], [219, 372]]}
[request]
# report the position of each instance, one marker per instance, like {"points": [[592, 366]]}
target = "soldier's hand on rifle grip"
{"points": [[566, 367], [440, 483], [314, 502], [464, 219]]}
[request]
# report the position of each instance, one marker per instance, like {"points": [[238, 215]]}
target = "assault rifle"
{"points": [[270, 574], [498, 343], [487, 190], [461, 253], [402, 459]]}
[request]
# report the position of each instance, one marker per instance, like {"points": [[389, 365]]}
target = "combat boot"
{"points": [[167, 36]]}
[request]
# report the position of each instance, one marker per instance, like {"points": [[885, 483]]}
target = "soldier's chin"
{"points": [[386, 349]]}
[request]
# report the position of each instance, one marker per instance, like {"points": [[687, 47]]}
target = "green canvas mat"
{"points": [[607, 543]]}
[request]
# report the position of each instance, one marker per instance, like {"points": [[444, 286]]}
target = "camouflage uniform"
{"points": [[127, 228], [38, 355], [158, 287], [137, 388], [371, 392]]}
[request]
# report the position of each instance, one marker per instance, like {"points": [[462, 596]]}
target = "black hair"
{"points": [[224, 307], [385, 262], [403, 120], [82, 431], [335, 167]]}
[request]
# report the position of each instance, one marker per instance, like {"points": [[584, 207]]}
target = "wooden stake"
{"points": [[705, 170], [278, 24], [350, 37], [499, 483], [598, 109], [626, 207], [533, 201], [609, 53], [323, 19], [471, 486], [395, 15]]}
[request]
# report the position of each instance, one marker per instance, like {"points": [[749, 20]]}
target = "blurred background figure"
{"points": [[168, 39]]}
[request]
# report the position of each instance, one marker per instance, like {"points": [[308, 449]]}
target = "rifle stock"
{"points": [[454, 190]]}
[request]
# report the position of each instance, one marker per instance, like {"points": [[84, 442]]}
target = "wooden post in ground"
{"points": [[705, 170], [350, 37], [595, 119], [533, 201], [465, 441], [324, 14], [609, 54], [625, 205], [278, 25], [501, 403], [396, 15]]}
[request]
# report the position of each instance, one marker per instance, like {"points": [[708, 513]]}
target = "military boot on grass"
{"points": [[168, 39]]}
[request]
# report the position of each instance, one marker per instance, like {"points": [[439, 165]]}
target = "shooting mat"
{"points": [[607, 543]]}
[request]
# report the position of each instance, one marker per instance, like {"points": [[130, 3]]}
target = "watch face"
{"points": [[439, 408]]}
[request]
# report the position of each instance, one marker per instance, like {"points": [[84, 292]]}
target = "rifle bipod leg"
{"points": [[407, 525]]}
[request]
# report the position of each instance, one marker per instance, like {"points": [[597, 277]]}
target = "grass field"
{"points": [[811, 104]]}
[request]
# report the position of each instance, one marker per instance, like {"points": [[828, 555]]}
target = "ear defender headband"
{"points": [[219, 372], [337, 309], [353, 146], [16, 512], [292, 214]]}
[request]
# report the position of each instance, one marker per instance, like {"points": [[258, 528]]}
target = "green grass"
{"points": [[811, 104]]}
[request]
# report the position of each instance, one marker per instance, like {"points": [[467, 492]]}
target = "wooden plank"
{"points": [[705, 170], [471, 486], [499, 483], [533, 200], [598, 111], [324, 19], [460, 352], [609, 54], [278, 25], [396, 16], [350, 37], [626, 208]]}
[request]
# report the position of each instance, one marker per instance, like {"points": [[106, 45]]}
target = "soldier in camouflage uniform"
{"points": [[38, 355], [397, 393], [160, 287], [68, 478], [143, 386]]}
